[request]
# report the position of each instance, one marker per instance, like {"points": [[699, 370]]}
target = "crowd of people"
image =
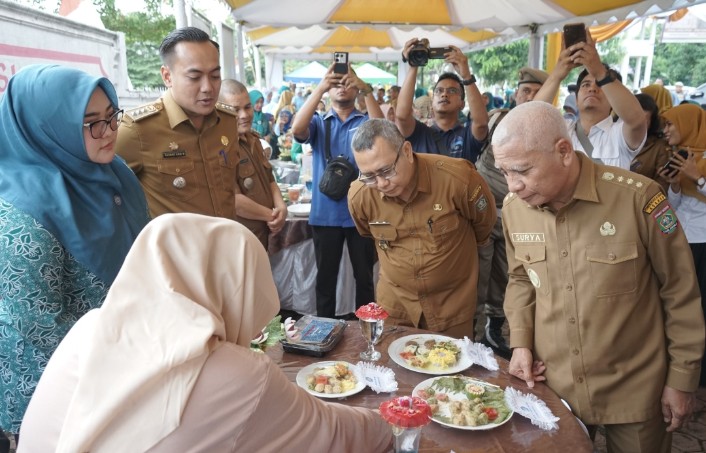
{"points": [[134, 246]]}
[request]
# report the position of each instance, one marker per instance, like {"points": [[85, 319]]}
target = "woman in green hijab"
{"points": [[260, 123]]}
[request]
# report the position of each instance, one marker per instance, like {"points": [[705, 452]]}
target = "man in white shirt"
{"points": [[596, 133]]}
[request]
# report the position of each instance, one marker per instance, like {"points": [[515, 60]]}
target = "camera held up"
{"points": [[421, 53]]}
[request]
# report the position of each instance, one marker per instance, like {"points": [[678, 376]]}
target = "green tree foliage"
{"points": [[144, 31], [500, 65], [680, 62]]}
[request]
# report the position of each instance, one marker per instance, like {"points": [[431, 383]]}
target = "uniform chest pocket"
{"points": [[383, 231], [613, 268], [178, 178], [384, 235], [534, 260], [442, 231]]}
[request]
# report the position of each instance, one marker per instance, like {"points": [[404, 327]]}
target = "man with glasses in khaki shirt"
{"points": [[427, 215]]}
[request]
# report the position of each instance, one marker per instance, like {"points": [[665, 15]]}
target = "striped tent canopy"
{"points": [[375, 26]]}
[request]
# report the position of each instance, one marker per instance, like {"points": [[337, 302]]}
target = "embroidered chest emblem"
{"points": [[607, 229]]}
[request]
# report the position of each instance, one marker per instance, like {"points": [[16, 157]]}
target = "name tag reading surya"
{"points": [[527, 237]]}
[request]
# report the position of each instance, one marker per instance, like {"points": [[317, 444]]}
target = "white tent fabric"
{"points": [[377, 30], [295, 26]]}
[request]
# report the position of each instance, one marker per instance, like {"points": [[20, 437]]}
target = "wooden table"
{"points": [[517, 435]]}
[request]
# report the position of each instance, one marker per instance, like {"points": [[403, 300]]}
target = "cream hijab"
{"points": [[189, 283]]}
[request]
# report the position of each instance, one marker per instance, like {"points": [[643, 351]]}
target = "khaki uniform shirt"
{"points": [[254, 180], [180, 168], [428, 246], [604, 292]]}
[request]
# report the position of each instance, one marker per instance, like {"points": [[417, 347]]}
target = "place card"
{"points": [[531, 407], [379, 378], [480, 354]]}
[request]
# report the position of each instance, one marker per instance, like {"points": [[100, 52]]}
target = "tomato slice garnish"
{"points": [[491, 412]]}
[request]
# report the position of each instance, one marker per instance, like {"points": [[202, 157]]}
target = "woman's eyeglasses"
{"points": [[97, 128]]}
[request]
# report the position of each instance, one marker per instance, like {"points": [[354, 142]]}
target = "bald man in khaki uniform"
{"points": [[427, 214], [258, 200], [182, 147], [602, 287]]}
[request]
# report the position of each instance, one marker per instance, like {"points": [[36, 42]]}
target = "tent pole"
{"points": [[180, 14], [536, 47], [258, 69], [241, 53]]}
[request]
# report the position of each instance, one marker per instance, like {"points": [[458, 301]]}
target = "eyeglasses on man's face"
{"points": [[371, 179], [97, 128], [451, 91]]}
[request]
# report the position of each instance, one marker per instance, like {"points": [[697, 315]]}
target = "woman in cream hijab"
{"points": [[685, 128], [165, 364]]}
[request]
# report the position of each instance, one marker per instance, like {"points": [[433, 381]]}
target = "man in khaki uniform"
{"points": [[602, 287], [258, 200], [427, 214], [182, 147]]}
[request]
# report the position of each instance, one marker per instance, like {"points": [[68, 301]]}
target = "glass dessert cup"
{"points": [[372, 331], [407, 415]]}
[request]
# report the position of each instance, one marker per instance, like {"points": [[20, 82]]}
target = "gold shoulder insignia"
{"points": [[509, 196], [227, 108], [625, 179], [145, 111]]}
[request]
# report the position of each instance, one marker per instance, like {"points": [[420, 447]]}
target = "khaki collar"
{"points": [[586, 186], [177, 115]]}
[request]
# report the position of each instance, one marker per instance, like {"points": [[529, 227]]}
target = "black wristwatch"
{"points": [[606, 80], [701, 182], [469, 81]]}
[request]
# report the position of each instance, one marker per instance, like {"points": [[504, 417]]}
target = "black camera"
{"points": [[421, 53]]}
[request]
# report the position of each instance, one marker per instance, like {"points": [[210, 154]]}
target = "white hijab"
{"points": [[189, 283]]}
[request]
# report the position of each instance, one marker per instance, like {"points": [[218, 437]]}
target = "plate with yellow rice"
{"points": [[330, 379], [429, 354]]}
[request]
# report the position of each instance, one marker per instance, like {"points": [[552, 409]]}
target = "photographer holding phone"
{"points": [[331, 222], [446, 135], [600, 91]]}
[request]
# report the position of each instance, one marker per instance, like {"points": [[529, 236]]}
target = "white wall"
{"points": [[28, 36]]}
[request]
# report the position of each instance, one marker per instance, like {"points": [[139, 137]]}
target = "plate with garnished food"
{"points": [[334, 379], [464, 402], [429, 354]]}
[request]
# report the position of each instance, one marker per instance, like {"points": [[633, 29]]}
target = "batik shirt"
{"points": [[43, 292]]}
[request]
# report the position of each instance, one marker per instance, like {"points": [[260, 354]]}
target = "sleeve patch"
{"points": [[666, 220], [475, 193], [654, 202], [482, 203]]}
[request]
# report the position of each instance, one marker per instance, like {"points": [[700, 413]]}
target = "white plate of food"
{"points": [[334, 379], [463, 402], [300, 210], [429, 354]]}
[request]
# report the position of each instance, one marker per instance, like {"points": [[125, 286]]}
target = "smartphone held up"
{"points": [[574, 34], [669, 166], [340, 62]]}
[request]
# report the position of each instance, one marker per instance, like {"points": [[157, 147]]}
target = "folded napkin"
{"points": [[379, 378], [479, 353], [529, 406]]}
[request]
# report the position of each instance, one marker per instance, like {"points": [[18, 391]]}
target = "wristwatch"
{"points": [[606, 80], [701, 182], [469, 81], [367, 90]]}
